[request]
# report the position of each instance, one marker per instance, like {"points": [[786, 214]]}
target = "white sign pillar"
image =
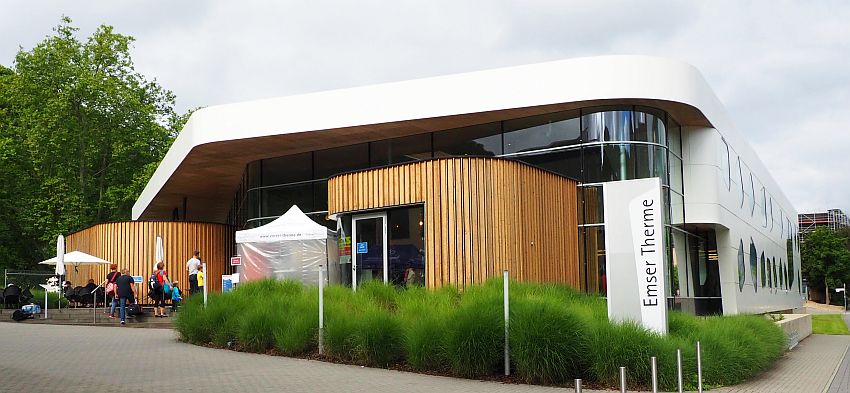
{"points": [[634, 253]]}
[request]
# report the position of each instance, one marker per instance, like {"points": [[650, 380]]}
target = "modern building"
{"points": [[833, 219], [450, 180]]}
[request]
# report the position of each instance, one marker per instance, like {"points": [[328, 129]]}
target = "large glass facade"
{"points": [[592, 145]]}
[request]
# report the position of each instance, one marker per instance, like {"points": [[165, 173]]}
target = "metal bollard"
{"points": [[699, 368], [679, 368], [507, 321], [578, 385], [622, 380], [654, 365], [321, 310]]}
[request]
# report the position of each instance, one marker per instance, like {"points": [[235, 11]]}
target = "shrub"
{"points": [[297, 333], [379, 293], [192, 322], [424, 316], [475, 336], [53, 298], [548, 343]]}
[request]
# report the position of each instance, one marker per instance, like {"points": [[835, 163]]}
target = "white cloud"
{"points": [[782, 68]]}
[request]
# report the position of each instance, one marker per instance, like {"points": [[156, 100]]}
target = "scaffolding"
{"points": [[834, 219]]}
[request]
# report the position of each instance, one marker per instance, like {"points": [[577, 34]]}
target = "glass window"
{"points": [[754, 259], [277, 200], [676, 174], [764, 207], [754, 268], [623, 162], [593, 204], [606, 124], [343, 159], [287, 169], [752, 196], [775, 277], [789, 253], [406, 258], [479, 140], [770, 282], [649, 126], [541, 132], [674, 136], [741, 177], [254, 179], [742, 275], [563, 162], [677, 208], [399, 150], [594, 260]]}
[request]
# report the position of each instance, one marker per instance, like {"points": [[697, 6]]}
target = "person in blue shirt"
{"points": [[175, 296]]}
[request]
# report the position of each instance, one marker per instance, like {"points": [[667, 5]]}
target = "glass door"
{"points": [[369, 248]]}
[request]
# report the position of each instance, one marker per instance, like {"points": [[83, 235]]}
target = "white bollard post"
{"points": [[45, 303], [654, 365], [699, 368], [622, 380], [206, 284], [507, 314], [321, 309], [578, 385], [679, 368]]}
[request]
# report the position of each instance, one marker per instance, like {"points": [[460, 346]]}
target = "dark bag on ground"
{"points": [[20, 315], [133, 309]]}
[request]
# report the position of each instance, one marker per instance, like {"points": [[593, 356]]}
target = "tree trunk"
{"points": [[826, 297]]}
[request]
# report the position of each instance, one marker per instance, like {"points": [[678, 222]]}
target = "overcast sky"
{"points": [[781, 68]]}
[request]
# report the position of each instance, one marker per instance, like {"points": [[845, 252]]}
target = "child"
{"points": [[175, 297], [201, 280]]}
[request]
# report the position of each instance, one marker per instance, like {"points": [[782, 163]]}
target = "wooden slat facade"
{"points": [[132, 245], [482, 216]]}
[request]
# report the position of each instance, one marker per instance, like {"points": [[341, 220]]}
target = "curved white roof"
{"points": [[206, 161]]}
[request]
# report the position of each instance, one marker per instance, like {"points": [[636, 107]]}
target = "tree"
{"points": [[80, 135], [826, 259]]}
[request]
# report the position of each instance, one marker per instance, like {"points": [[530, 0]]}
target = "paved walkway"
{"points": [[841, 382], [47, 358]]}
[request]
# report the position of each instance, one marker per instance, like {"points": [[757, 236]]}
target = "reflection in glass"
{"points": [[406, 258], [369, 249], [607, 126], [542, 132], [399, 150], [594, 259], [742, 268], [338, 160], [565, 162], [624, 162], [479, 140], [286, 169]]}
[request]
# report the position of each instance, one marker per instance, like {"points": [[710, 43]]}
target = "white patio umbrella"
{"points": [[76, 258], [60, 256], [159, 253], [59, 271]]}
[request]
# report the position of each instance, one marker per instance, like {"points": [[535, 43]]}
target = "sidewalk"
{"points": [[47, 358], [841, 381]]}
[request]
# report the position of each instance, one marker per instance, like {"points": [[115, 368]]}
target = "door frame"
{"points": [[354, 219]]}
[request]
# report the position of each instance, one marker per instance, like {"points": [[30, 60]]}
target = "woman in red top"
{"points": [[110, 287], [158, 294]]}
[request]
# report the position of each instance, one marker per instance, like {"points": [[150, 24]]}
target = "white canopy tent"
{"points": [[291, 247]]}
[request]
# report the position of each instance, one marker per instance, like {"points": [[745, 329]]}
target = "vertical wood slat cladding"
{"points": [[482, 216], [132, 245]]}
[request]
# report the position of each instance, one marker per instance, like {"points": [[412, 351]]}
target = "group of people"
{"points": [[120, 286]]}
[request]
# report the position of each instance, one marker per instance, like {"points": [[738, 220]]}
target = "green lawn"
{"points": [[829, 324]]}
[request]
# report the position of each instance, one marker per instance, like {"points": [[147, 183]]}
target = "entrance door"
{"points": [[369, 248]]}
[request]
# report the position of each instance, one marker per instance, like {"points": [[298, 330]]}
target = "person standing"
{"points": [[157, 292], [111, 279], [201, 276], [126, 291], [193, 265]]}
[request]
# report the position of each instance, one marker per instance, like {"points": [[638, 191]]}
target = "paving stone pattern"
{"points": [[48, 358], [841, 381]]}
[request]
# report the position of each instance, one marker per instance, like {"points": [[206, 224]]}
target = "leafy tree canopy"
{"points": [[81, 132], [826, 259]]}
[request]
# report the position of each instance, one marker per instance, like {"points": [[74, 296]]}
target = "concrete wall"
{"points": [[796, 327]]}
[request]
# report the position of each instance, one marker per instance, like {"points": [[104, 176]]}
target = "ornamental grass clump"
{"points": [[475, 334], [424, 316], [548, 342], [556, 333]]}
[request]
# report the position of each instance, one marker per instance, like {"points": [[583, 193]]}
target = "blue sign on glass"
{"points": [[137, 279], [226, 284], [362, 248]]}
